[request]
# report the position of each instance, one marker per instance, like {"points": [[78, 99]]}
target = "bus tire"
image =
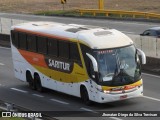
{"points": [[84, 96], [38, 83], [30, 81]]}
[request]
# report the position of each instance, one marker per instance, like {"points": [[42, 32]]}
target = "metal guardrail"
{"points": [[108, 13]]}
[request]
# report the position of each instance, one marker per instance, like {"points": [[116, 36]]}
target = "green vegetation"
{"points": [[77, 13], [12, 118], [58, 12]]}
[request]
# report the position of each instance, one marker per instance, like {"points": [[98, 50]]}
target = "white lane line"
{"points": [[5, 48], [19, 90], [115, 118], [151, 75], [59, 101], [38, 95], [128, 32], [151, 98], [2, 85], [1, 64], [89, 110]]}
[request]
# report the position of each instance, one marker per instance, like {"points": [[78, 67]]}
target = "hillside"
{"points": [[33, 6]]}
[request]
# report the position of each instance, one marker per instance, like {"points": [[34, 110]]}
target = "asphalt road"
{"points": [[17, 92], [132, 27]]}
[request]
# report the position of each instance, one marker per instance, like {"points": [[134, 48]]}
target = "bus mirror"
{"points": [[94, 62], [142, 55]]}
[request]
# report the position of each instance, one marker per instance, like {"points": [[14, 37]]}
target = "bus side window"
{"points": [[88, 62], [14, 36], [63, 49], [42, 45], [22, 41], [52, 47], [31, 42], [74, 53]]}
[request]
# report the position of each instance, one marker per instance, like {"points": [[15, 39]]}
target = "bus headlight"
{"points": [[106, 91], [103, 91]]}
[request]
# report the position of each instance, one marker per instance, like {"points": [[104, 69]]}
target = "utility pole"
{"points": [[101, 4]]}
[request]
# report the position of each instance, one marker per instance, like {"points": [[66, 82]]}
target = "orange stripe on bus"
{"points": [[41, 34], [34, 58]]}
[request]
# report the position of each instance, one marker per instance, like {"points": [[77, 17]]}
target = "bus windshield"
{"points": [[120, 66]]}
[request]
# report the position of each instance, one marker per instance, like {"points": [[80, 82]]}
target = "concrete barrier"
{"points": [[5, 40], [150, 45]]}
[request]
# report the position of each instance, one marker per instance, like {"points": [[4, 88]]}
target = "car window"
{"points": [[153, 33], [150, 33], [146, 33], [158, 32]]}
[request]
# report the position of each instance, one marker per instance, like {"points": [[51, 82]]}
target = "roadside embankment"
{"points": [[152, 66]]}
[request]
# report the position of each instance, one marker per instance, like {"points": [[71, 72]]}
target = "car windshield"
{"points": [[158, 32], [118, 66]]}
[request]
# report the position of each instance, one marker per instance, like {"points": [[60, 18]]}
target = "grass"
{"points": [[58, 12], [76, 13], [12, 118]]}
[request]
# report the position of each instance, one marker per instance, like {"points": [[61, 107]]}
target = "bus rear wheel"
{"points": [[85, 97], [38, 83], [30, 81]]}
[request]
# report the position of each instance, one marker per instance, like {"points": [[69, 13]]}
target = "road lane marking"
{"points": [[19, 90], [59, 101], [38, 95], [151, 98], [128, 32], [5, 48], [151, 75], [2, 64], [2, 85], [89, 110], [115, 118]]}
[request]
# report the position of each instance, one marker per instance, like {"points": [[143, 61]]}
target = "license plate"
{"points": [[123, 97]]}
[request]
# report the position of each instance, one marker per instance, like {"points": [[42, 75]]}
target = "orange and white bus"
{"points": [[94, 63]]}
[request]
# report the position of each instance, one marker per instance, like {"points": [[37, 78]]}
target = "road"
{"points": [[17, 92], [124, 26]]}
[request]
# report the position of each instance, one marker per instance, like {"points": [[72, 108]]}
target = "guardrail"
{"points": [[121, 14]]}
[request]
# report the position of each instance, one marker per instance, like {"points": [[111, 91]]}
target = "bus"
{"points": [[94, 63]]}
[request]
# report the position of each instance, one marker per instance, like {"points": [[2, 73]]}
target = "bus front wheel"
{"points": [[84, 96]]}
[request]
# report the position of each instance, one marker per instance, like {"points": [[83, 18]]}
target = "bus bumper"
{"points": [[107, 97]]}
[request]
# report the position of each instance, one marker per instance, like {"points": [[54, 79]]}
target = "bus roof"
{"points": [[92, 36]]}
